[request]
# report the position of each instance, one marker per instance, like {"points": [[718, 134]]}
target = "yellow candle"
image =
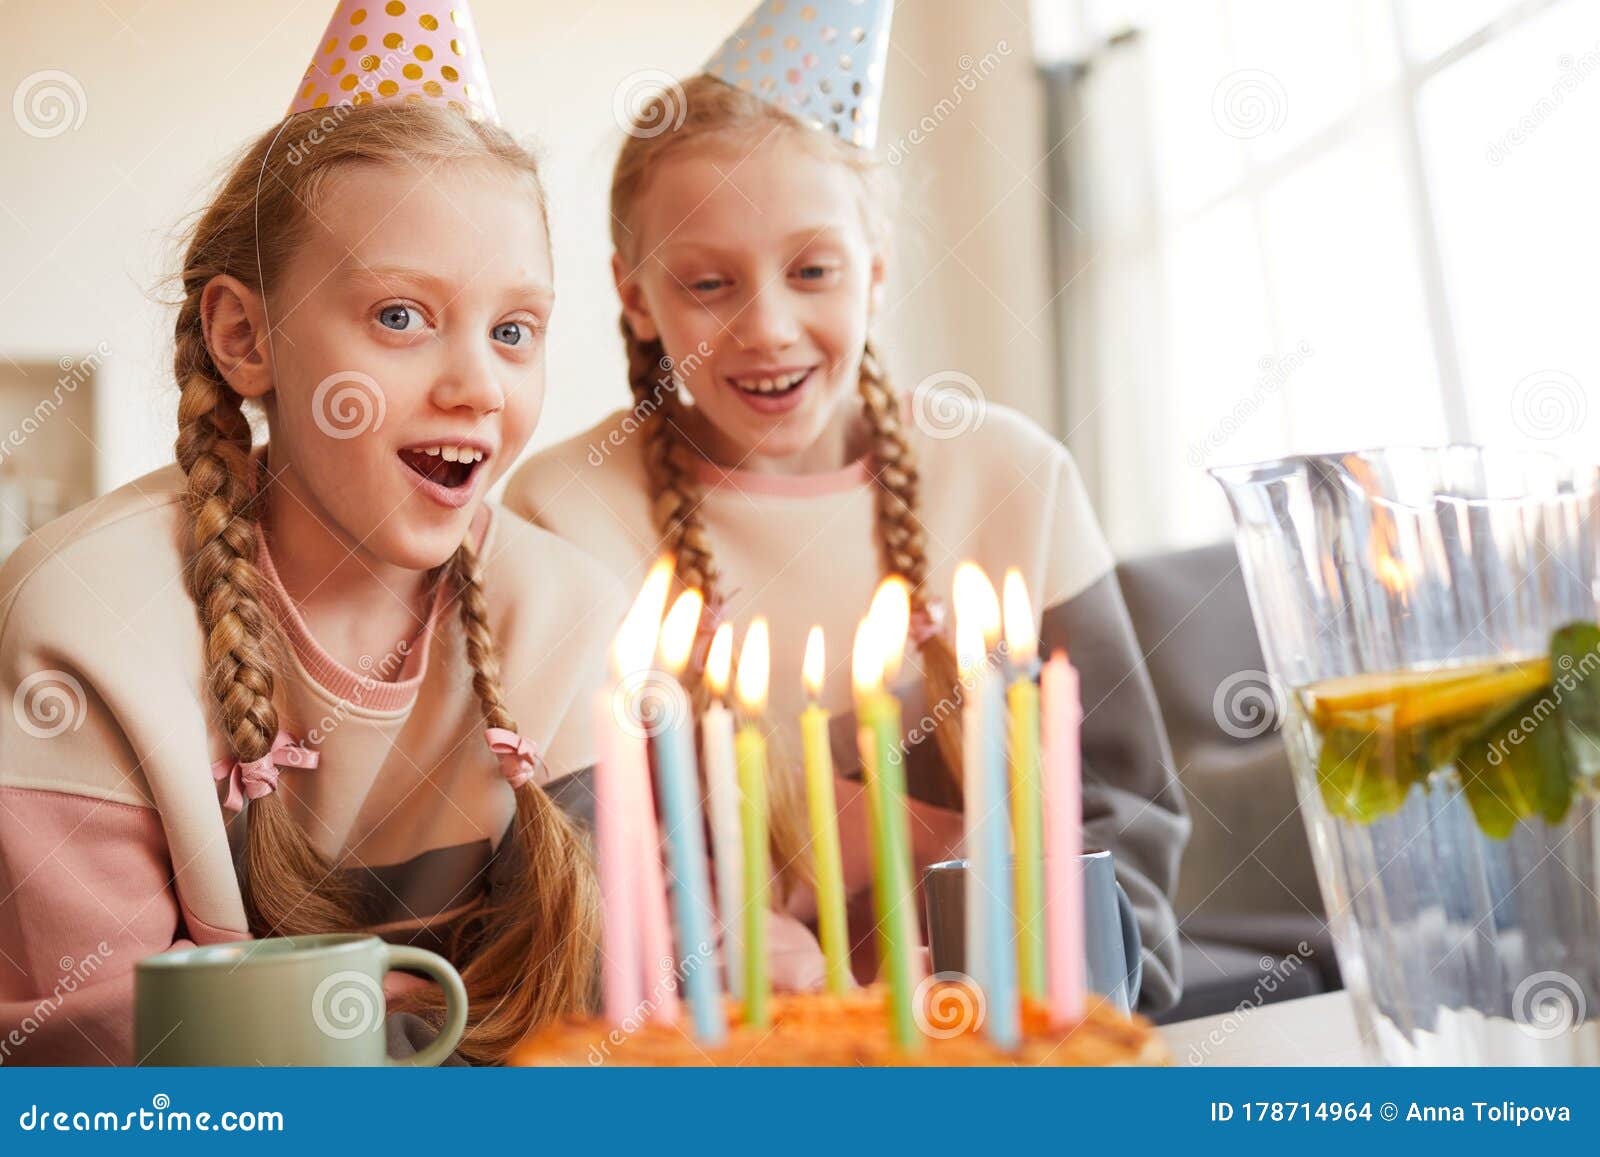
{"points": [[1027, 817], [750, 753], [831, 927]]}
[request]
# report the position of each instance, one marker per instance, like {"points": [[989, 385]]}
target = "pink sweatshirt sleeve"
{"points": [[85, 892]]}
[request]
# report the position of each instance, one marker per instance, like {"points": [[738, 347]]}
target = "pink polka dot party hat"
{"points": [[413, 50], [821, 60]]}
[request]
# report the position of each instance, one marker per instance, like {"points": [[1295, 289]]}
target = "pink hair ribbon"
{"points": [[927, 622], [259, 777], [519, 759]]}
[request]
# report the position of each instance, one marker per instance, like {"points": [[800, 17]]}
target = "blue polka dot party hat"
{"points": [[821, 60]]}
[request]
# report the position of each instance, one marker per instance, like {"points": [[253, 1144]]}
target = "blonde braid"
{"points": [[287, 886], [904, 544], [533, 957], [669, 466]]}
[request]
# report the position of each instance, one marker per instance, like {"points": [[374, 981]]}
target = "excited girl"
{"points": [[750, 260], [321, 684]]}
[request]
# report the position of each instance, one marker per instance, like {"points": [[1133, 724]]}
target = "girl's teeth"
{"points": [[770, 385], [453, 453]]}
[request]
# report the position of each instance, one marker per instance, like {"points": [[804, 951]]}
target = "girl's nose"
{"points": [[766, 321], [468, 380]]}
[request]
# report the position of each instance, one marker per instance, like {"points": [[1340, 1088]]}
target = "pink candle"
{"points": [[1061, 716], [622, 977], [661, 983]]}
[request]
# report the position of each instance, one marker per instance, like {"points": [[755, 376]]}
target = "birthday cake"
{"points": [[823, 1030]]}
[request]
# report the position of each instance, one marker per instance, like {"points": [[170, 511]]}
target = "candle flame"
{"points": [[970, 651], [636, 641], [891, 619], [976, 601], [1022, 638], [719, 662], [751, 681], [677, 633], [866, 660], [815, 664]]}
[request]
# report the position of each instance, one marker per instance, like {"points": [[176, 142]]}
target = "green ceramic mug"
{"points": [[295, 1000]]}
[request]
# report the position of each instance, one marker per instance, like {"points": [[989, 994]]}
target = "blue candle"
{"points": [[686, 844], [990, 913], [994, 880]]}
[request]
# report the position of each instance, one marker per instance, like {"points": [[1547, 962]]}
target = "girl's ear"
{"points": [[877, 283], [633, 303], [235, 324]]}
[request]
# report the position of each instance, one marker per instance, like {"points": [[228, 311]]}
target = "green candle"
{"points": [[750, 754], [1027, 814], [878, 717]]}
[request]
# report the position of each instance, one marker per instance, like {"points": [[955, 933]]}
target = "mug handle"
{"points": [[1132, 946], [455, 1001]]}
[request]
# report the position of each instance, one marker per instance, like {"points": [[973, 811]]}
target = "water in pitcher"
{"points": [[1431, 617]]}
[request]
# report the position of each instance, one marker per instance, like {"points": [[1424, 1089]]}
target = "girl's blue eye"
{"points": [[813, 272], [511, 332], [397, 317], [707, 285]]}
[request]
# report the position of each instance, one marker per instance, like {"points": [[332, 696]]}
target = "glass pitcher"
{"points": [[1427, 616]]}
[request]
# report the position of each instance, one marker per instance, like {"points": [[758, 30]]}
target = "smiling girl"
{"points": [[781, 468], [319, 684]]}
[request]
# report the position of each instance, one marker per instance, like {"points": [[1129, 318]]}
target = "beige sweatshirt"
{"points": [[803, 551], [114, 843]]}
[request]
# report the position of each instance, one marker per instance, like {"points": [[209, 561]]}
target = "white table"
{"points": [[1314, 1030]]}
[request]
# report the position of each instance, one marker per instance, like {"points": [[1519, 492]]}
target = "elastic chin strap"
{"points": [[261, 278]]}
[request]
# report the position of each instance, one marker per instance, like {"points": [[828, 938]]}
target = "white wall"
{"points": [[89, 217]]}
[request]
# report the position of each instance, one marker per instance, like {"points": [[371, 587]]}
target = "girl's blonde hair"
{"points": [[532, 956], [709, 113]]}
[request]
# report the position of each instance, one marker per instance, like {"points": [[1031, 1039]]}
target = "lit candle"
{"points": [[639, 862], [621, 973], [818, 757], [750, 747], [680, 809], [1027, 824], [880, 644], [989, 872], [716, 739], [1063, 830], [973, 661]]}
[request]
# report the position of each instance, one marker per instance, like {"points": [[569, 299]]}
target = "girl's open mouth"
{"points": [[775, 386], [448, 470], [774, 393]]}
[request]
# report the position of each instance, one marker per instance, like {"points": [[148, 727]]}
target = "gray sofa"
{"points": [[1247, 897]]}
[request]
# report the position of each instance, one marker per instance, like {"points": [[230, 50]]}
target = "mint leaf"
{"points": [[1574, 665]]}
